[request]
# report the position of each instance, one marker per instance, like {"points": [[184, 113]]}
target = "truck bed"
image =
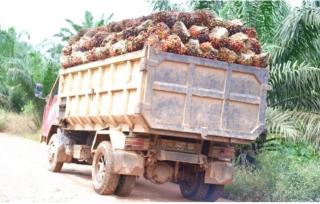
{"points": [[164, 93]]}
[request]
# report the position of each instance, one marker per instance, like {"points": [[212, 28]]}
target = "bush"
{"points": [[19, 124], [2, 121], [290, 173]]}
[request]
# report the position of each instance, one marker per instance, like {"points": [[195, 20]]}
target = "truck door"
{"points": [[50, 114]]}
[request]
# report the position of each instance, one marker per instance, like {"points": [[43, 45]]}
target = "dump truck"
{"points": [[158, 115]]}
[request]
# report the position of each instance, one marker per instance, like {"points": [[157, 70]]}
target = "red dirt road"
{"points": [[24, 177]]}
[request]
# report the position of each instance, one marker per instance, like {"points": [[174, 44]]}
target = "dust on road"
{"points": [[24, 177]]}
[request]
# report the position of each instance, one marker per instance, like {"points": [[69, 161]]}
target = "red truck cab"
{"points": [[50, 114]]}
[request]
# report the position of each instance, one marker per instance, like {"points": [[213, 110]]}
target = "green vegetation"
{"points": [[288, 173], [288, 166], [22, 66]]}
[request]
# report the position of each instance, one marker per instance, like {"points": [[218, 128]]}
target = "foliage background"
{"points": [[287, 167]]}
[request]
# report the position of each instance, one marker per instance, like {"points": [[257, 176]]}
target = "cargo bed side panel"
{"points": [[208, 97]]}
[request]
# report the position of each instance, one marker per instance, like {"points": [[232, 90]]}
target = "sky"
{"points": [[44, 18]]}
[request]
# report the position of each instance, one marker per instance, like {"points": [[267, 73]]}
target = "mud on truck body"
{"points": [[163, 116]]}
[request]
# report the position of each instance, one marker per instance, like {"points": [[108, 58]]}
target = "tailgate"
{"points": [[207, 97]]}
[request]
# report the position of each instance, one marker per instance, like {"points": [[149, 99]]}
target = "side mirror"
{"points": [[38, 91]]}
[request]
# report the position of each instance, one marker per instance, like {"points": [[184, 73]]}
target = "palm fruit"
{"points": [[67, 50], [99, 37], [153, 41], [101, 52], [119, 48], [91, 32], [64, 60], [73, 39], [193, 48], [144, 26], [237, 42], [199, 32], [169, 18], [227, 55], [171, 44], [82, 32], [160, 29], [251, 32], [86, 43], [260, 60], [109, 40], [234, 26], [218, 37], [131, 31], [181, 30], [186, 18], [216, 22], [202, 17], [208, 51], [139, 40], [254, 45], [115, 26], [246, 58]]}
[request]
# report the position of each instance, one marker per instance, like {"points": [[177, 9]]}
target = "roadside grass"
{"points": [[22, 124], [289, 173]]}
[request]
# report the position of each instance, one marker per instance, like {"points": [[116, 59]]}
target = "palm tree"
{"points": [[88, 22], [21, 66]]}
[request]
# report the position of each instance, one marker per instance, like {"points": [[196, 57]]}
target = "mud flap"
{"points": [[128, 163], [219, 172]]}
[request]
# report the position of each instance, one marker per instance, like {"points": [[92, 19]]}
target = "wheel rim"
{"points": [[51, 151], [100, 169]]}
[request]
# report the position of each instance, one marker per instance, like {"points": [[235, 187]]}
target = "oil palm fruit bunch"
{"points": [[198, 33]]}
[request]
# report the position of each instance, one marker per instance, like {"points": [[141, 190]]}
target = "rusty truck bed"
{"points": [[164, 93]]}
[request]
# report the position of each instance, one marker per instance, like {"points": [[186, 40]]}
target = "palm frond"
{"points": [[281, 123], [294, 86], [297, 35]]}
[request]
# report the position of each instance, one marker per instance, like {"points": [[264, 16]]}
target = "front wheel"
{"points": [[104, 180], [53, 148]]}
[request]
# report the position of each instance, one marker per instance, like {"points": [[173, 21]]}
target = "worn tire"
{"points": [[104, 180], [214, 193], [193, 186], [126, 184], [54, 165]]}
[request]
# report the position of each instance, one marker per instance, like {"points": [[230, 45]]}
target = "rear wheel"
{"points": [[214, 193], [192, 186], [126, 184], [104, 181], [53, 148]]}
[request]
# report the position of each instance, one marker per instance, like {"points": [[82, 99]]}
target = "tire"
{"points": [[193, 187], [214, 193], [104, 181], [126, 184], [53, 147]]}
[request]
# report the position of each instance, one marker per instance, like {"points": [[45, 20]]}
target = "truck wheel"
{"points": [[104, 181], [192, 186], [53, 147], [126, 184], [214, 193]]}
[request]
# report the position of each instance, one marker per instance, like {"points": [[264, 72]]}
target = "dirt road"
{"points": [[24, 177]]}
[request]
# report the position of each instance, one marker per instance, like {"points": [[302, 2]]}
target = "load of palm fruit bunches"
{"points": [[198, 33]]}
